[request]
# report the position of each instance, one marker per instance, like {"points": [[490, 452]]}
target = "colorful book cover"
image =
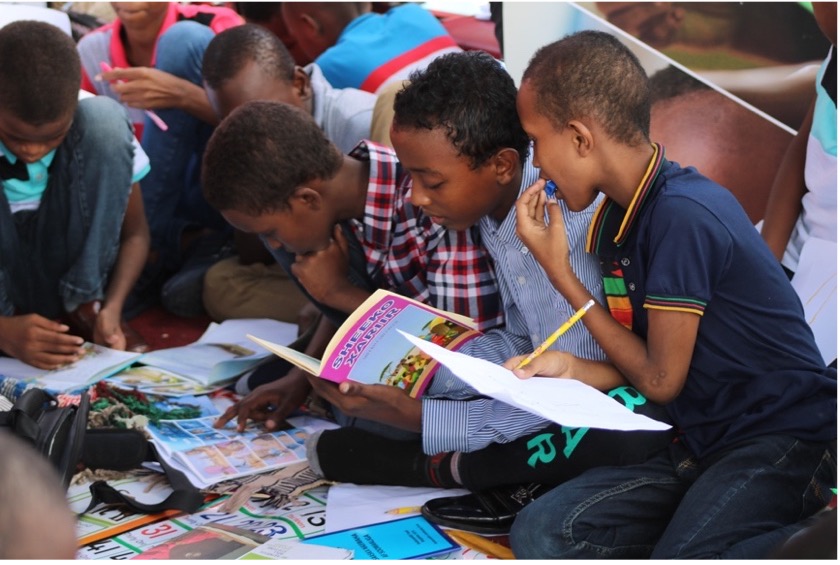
{"points": [[212, 541], [367, 348], [408, 538], [96, 363]]}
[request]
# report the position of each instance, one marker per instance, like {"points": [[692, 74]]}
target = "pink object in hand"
{"points": [[152, 115]]}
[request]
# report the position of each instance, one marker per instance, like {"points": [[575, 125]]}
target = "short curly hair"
{"points": [[229, 50], [40, 72], [261, 153], [472, 97], [592, 74]]}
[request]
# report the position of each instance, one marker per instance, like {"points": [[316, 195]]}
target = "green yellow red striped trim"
{"points": [[642, 192], [595, 234], [677, 303]]}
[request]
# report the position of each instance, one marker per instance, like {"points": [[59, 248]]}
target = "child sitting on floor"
{"points": [[73, 235], [701, 319]]}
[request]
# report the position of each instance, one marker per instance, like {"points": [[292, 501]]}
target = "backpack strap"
{"points": [[133, 449], [22, 424], [55, 432], [22, 418]]}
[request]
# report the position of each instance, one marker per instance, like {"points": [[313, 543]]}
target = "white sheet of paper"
{"points": [[350, 505], [566, 401], [234, 331], [815, 282]]}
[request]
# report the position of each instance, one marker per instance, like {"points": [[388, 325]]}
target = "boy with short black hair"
{"points": [[701, 319], [456, 130], [247, 63], [73, 235], [346, 226]]}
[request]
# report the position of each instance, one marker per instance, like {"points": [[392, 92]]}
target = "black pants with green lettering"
{"points": [[558, 453], [549, 456]]}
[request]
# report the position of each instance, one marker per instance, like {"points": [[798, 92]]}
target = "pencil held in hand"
{"points": [[560, 331], [152, 115]]}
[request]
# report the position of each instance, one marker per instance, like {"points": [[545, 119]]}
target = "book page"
{"points": [[568, 402], [223, 352], [95, 364], [370, 351], [209, 455], [350, 505], [296, 358], [284, 549], [159, 382]]}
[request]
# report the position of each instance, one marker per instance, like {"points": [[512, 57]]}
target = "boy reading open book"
{"points": [[368, 348], [457, 132], [344, 226]]}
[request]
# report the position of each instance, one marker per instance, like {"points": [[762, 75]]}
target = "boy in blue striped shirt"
{"points": [[457, 132]]}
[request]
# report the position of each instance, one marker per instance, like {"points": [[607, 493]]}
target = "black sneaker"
{"points": [[489, 512]]}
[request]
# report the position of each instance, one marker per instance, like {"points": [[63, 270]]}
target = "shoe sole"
{"points": [[467, 527]]}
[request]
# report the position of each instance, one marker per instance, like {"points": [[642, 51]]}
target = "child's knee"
{"points": [[103, 126], [532, 534], [181, 45]]}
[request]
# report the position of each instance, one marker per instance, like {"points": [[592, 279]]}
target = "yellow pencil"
{"points": [[560, 331], [480, 544], [403, 510]]}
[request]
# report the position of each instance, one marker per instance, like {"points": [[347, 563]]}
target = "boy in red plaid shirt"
{"points": [[343, 226]]}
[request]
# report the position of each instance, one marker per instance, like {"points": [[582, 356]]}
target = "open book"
{"points": [[207, 455], [222, 352], [95, 364], [368, 348]]}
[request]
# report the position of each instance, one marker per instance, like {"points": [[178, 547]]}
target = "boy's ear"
{"points": [[312, 24], [581, 137], [302, 84], [505, 162], [305, 197]]}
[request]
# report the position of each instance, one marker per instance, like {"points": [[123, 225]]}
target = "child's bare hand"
{"points": [[547, 241], [270, 403], [145, 88], [381, 403], [556, 364], [38, 341], [324, 273], [107, 330]]}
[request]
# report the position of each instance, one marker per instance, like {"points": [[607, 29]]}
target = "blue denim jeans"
{"points": [[60, 256], [737, 504], [172, 189]]}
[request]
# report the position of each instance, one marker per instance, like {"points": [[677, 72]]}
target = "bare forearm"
{"points": [[134, 249], [347, 300], [598, 374], [646, 370], [785, 200], [129, 264], [193, 100]]}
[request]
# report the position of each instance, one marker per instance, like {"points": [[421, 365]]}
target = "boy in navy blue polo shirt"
{"points": [[701, 318]]}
